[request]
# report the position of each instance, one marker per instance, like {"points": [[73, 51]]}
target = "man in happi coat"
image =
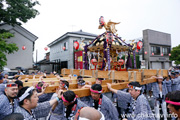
{"points": [[178, 77], [2, 87], [68, 104], [168, 83], [123, 106], [140, 106], [173, 100], [81, 84], [29, 106], [102, 103], [64, 85], [8, 101], [159, 92], [2, 80], [175, 81], [43, 96]]}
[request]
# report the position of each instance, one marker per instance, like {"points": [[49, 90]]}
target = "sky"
{"points": [[60, 16]]}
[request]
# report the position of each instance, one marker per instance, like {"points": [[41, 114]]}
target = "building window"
{"points": [[155, 50], [66, 46], [166, 51]]}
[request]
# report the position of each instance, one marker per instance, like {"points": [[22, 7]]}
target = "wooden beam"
{"points": [[36, 76], [56, 82], [88, 73], [77, 72], [82, 92], [73, 86], [153, 72], [86, 91], [102, 74], [124, 76], [106, 81], [51, 89], [65, 71]]}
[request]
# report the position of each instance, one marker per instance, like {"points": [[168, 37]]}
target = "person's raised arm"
{"points": [[59, 95], [111, 89], [43, 88]]}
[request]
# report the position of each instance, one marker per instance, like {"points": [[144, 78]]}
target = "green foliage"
{"points": [[5, 47], [13, 12], [175, 55], [17, 11]]}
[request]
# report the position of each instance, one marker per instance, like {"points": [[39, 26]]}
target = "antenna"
{"points": [[72, 27]]}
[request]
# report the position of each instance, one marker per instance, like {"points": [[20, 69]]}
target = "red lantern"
{"points": [[23, 47], [76, 45], [152, 53], [169, 54], [120, 61], [101, 21], [145, 52], [64, 48], [161, 54], [139, 45], [94, 61], [45, 48]]}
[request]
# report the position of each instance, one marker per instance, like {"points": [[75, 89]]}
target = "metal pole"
{"points": [[36, 55]]}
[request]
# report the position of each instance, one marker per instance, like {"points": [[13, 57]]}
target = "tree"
{"points": [[13, 12], [6, 48], [175, 55]]}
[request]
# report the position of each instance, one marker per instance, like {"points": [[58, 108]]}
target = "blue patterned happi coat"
{"points": [[58, 113], [107, 108], [6, 107], [140, 107], [42, 110]]}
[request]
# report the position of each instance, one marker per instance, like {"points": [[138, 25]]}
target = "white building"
{"points": [[22, 37], [66, 57]]}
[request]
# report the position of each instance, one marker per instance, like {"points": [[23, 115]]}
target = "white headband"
{"points": [[26, 93], [138, 88], [134, 87]]}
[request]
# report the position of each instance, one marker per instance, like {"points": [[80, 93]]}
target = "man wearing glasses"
{"points": [[140, 109]]}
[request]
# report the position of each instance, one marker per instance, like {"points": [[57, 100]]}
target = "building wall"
{"points": [[167, 65], [57, 52], [46, 67], [21, 58], [157, 39], [155, 65], [71, 49]]}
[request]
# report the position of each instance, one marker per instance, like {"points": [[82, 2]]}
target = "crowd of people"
{"points": [[153, 101]]}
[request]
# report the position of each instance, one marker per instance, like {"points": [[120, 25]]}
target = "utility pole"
{"points": [[36, 55], [72, 27]]}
